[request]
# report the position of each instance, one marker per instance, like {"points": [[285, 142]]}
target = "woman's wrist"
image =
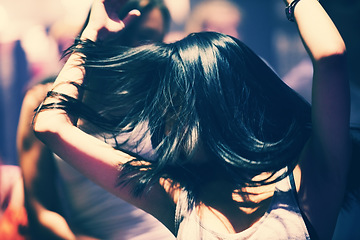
{"points": [[292, 5]]}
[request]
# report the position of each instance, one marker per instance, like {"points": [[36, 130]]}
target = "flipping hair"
{"points": [[208, 90]]}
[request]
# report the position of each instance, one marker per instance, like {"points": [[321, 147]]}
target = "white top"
{"points": [[99, 213], [282, 221]]}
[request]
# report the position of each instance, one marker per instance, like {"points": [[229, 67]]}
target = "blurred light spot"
{"points": [[179, 10], [4, 19]]}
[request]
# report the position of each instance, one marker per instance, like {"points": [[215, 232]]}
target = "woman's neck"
{"points": [[227, 211]]}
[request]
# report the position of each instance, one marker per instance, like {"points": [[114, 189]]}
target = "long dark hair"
{"points": [[207, 91]]}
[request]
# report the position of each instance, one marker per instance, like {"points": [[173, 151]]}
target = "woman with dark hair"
{"points": [[235, 153]]}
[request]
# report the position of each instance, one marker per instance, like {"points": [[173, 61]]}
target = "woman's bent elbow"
{"points": [[47, 123]]}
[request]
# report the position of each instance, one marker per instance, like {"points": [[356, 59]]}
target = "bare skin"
{"points": [[36, 159], [37, 165], [323, 163]]}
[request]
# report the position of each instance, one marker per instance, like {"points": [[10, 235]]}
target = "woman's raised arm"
{"points": [[95, 159], [325, 159]]}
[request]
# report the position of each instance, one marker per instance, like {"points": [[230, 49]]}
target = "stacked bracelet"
{"points": [[289, 10]]}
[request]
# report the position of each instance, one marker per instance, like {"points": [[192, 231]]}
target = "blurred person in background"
{"points": [[61, 202], [222, 16], [14, 75], [26, 52]]}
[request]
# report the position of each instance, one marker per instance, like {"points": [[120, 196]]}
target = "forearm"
{"points": [[73, 71], [42, 202], [67, 82], [45, 224], [325, 159], [70, 77], [103, 24], [318, 32]]}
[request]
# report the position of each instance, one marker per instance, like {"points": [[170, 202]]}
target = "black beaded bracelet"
{"points": [[289, 10]]}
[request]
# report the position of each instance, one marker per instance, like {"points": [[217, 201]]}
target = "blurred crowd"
{"points": [[33, 35]]}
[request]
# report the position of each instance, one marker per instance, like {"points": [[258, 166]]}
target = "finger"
{"points": [[131, 16], [115, 24]]}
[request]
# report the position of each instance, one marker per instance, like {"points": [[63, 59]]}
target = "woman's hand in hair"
{"points": [[104, 22]]}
